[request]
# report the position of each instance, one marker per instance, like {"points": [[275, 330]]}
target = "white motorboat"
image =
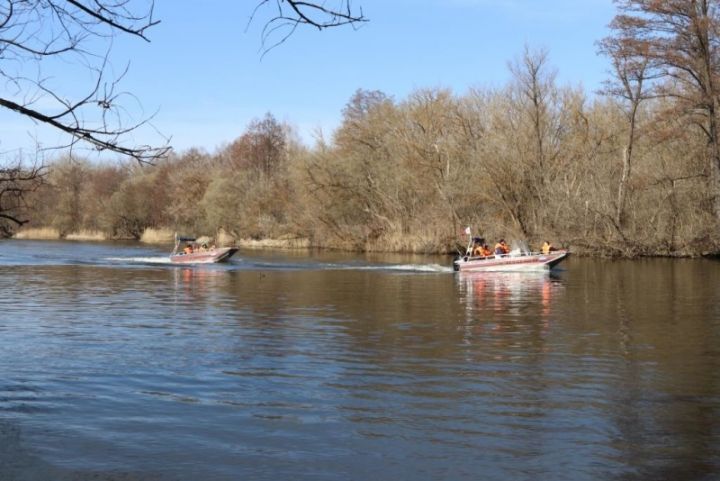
{"points": [[194, 252], [519, 261]]}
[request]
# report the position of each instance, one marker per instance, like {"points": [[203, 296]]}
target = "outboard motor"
{"points": [[458, 257]]}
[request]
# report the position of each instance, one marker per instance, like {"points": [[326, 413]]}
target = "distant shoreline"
{"points": [[165, 237], [161, 237]]}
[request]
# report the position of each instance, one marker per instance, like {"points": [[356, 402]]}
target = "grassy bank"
{"points": [[50, 233], [164, 236], [38, 233], [410, 244]]}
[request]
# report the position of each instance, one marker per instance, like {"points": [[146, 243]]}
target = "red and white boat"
{"points": [[532, 261], [517, 260], [193, 252]]}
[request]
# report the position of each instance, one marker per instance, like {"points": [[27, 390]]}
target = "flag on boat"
{"points": [[467, 230]]}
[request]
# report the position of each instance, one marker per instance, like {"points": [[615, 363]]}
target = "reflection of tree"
{"points": [[659, 342], [618, 378]]}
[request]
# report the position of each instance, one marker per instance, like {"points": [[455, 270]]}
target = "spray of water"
{"points": [[519, 247]]}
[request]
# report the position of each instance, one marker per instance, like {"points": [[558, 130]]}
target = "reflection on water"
{"points": [[500, 291], [278, 366], [500, 303]]}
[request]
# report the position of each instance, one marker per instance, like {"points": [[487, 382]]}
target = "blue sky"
{"points": [[204, 74]]}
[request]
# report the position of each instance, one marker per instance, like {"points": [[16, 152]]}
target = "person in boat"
{"points": [[203, 247], [477, 247], [501, 248], [188, 249], [547, 248], [485, 251]]}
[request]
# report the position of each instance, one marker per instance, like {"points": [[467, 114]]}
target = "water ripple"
{"points": [[344, 369]]}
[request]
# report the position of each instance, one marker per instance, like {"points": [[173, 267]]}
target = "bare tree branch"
{"points": [[114, 15], [16, 181], [290, 14], [36, 34]]}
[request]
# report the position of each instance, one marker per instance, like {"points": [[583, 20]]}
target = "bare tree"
{"points": [[36, 35], [535, 120], [262, 148], [681, 41], [16, 182], [630, 86], [39, 35]]}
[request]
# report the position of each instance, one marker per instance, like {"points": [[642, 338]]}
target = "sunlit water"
{"points": [[115, 364]]}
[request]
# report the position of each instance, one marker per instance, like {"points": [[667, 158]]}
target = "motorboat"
{"points": [[515, 261], [189, 251]]}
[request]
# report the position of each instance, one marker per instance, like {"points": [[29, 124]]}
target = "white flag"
{"points": [[467, 230]]}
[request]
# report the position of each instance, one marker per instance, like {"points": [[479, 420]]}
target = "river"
{"points": [[116, 365]]}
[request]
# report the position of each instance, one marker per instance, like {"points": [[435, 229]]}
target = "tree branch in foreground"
{"points": [[290, 14]]}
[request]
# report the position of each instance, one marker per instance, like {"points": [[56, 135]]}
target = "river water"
{"points": [[115, 365]]}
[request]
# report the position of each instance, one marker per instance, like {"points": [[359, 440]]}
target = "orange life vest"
{"points": [[502, 248]]}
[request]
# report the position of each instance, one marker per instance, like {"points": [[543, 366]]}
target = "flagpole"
{"points": [[469, 234]]}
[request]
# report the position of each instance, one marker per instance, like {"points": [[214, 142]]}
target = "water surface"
{"points": [[115, 364]]}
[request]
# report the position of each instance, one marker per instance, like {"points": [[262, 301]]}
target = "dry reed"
{"points": [[286, 243], [38, 233], [157, 236], [86, 235]]}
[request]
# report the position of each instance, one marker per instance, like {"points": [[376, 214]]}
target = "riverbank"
{"points": [[401, 246], [50, 233], [165, 237]]}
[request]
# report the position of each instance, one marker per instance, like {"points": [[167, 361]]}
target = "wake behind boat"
{"points": [[194, 252]]}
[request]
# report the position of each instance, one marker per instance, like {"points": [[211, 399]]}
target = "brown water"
{"points": [[116, 365]]}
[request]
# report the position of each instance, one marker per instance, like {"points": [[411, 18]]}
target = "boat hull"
{"points": [[510, 263], [205, 257]]}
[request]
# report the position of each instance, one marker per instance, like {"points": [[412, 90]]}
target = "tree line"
{"points": [[632, 170], [85, 102], [531, 160]]}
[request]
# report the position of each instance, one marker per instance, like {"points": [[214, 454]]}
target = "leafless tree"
{"points": [[37, 36], [681, 40], [262, 148], [37, 39], [630, 84], [16, 181]]}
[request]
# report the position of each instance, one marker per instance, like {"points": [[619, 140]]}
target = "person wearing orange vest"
{"points": [[501, 248], [546, 248], [482, 250]]}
